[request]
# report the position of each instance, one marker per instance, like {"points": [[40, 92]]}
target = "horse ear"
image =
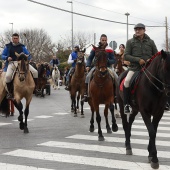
{"points": [[94, 46], [163, 53], [17, 54]]}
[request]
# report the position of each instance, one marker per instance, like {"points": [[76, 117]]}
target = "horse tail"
{"points": [[4, 106]]}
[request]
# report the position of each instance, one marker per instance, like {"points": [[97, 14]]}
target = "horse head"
{"points": [[80, 58], [101, 59], [42, 71], [23, 65], [165, 72]]}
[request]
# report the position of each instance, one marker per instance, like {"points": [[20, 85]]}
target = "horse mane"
{"points": [[22, 56]]}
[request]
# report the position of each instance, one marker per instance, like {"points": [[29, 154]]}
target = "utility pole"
{"points": [[127, 14], [166, 34]]}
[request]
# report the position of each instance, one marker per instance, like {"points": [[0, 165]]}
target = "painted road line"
{"points": [[61, 113], [144, 127], [81, 160], [100, 148], [3, 124], [23, 120], [160, 123], [163, 118], [119, 140], [43, 117], [137, 133], [5, 166]]}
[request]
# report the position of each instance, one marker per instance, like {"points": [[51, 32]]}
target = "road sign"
{"points": [[113, 44]]}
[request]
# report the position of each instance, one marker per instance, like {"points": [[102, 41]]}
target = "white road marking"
{"points": [[3, 124], [119, 140], [24, 120], [60, 113], [82, 160], [100, 148], [160, 123], [6, 166], [144, 127], [43, 117], [137, 133], [163, 118]]}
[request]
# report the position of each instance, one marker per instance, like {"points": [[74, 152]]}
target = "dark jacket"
{"points": [[111, 59], [137, 49]]}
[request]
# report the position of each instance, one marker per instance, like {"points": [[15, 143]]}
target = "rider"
{"points": [[111, 60], [8, 54], [53, 62], [138, 50], [71, 60]]}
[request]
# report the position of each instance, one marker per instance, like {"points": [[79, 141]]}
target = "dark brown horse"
{"points": [[118, 66], [149, 97], [42, 80], [78, 84], [101, 91]]}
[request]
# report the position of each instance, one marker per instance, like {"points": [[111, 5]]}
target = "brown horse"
{"points": [[101, 91], [23, 85], [78, 84], [118, 66]]}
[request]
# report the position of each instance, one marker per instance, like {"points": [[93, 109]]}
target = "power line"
{"points": [[84, 14], [111, 11]]}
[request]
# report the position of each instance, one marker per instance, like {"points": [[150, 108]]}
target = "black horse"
{"points": [[150, 92]]}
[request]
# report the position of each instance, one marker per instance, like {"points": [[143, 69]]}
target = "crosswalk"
{"points": [[85, 150]]}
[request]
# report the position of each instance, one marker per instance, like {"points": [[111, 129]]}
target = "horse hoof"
{"points": [[149, 159], [129, 152], [114, 128], [101, 138], [26, 130], [21, 126], [109, 131], [91, 129], [72, 110], [82, 116], [75, 115], [154, 165], [12, 114]]}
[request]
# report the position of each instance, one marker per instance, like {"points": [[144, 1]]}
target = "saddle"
{"points": [[133, 82]]}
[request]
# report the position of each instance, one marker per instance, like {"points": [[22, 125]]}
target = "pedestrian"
{"points": [[89, 64], [139, 50], [9, 56]]}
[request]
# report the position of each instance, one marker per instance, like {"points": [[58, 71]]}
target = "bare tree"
{"points": [[37, 42]]}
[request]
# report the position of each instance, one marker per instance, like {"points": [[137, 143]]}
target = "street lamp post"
{"points": [[12, 26], [127, 14], [71, 2]]}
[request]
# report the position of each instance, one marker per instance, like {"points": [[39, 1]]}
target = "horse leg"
{"points": [[73, 98], [98, 119], [26, 112], [12, 108], [78, 98], [82, 111], [114, 124], [91, 129], [106, 118], [19, 106], [58, 80], [72, 107], [152, 129]]}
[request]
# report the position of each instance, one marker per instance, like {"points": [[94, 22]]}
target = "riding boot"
{"points": [[68, 86], [86, 97], [126, 94], [9, 90]]}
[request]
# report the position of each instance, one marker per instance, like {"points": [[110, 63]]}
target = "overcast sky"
{"points": [[25, 14]]}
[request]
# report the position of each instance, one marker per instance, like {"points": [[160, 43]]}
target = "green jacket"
{"points": [[137, 49]]}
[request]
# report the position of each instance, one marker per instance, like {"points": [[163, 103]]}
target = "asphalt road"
{"points": [[59, 141]]}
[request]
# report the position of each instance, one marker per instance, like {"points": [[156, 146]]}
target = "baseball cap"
{"points": [[139, 25]]}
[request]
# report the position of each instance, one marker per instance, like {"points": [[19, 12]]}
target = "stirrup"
{"points": [[67, 88], [9, 96], [126, 108], [85, 98]]}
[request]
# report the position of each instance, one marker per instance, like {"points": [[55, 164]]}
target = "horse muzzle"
{"points": [[103, 71]]}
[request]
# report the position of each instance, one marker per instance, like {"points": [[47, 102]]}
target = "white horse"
{"points": [[56, 78]]}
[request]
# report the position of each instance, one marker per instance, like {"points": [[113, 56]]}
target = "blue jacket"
{"points": [[9, 51], [54, 61], [73, 56], [111, 59]]}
